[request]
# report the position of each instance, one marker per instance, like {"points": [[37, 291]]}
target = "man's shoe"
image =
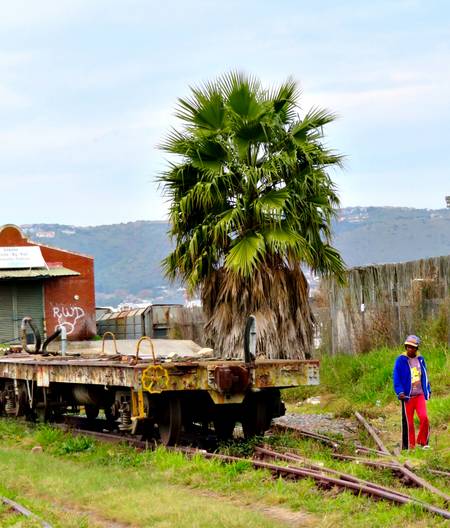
{"points": [[426, 447]]}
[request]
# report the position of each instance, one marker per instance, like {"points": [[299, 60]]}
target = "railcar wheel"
{"points": [[170, 420], [224, 423], [42, 413], [15, 401], [91, 411], [111, 418], [256, 416]]}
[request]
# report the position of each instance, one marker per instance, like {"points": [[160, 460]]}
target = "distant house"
{"points": [[45, 234], [53, 286]]}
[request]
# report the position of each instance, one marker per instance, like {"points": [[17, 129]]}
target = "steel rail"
{"points": [[372, 433], [325, 439], [439, 472], [326, 481], [364, 487], [24, 511], [370, 450], [308, 434], [365, 461], [105, 437], [321, 468], [403, 468]]}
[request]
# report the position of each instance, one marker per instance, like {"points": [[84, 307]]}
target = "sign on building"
{"points": [[22, 257]]}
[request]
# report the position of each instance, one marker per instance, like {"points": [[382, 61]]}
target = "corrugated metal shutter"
{"points": [[6, 313], [19, 300], [30, 303]]}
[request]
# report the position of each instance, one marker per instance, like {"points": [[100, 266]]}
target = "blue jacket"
{"points": [[402, 376]]}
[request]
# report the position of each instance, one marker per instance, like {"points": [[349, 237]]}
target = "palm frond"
{"points": [[206, 111], [285, 100], [273, 200], [251, 201], [245, 254]]}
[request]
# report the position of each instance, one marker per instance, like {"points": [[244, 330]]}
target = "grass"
{"points": [[101, 483], [439, 410], [365, 381], [86, 491], [75, 482]]}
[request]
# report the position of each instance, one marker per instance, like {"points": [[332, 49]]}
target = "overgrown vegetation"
{"points": [[364, 383], [92, 484], [434, 330], [76, 482], [366, 379]]}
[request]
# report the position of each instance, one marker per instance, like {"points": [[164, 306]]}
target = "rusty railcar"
{"points": [[175, 389]]}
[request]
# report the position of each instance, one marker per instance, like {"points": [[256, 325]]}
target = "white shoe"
{"points": [[426, 447]]}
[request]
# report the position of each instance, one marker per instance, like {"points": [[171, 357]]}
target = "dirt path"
{"points": [[96, 520]]}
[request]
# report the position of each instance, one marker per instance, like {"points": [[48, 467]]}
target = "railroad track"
{"points": [[24, 511], [299, 467]]}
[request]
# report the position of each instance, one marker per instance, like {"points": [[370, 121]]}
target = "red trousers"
{"points": [[414, 404]]}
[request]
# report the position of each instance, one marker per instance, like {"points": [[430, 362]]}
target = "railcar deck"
{"points": [[177, 385]]}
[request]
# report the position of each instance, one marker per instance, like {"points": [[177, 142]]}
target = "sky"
{"points": [[88, 91]]}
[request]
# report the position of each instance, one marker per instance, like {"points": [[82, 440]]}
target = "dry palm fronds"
{"points": [[279, 301]]}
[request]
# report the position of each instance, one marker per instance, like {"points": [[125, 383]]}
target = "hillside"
{"points": [[375, 235], [128, 256]]}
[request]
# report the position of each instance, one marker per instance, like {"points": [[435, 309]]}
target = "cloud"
{"points": [[22, 14], [88, 89], [10, 99], [12, 59]]}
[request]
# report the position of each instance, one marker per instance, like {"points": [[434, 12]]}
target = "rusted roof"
{"points": [[37, 273]]}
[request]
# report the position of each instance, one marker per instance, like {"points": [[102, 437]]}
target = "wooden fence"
{"points": [[382, 304]]}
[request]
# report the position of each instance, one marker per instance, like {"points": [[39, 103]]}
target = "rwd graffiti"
{"points": [[67, 316]]}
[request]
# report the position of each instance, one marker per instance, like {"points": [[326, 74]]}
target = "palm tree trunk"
{"points": [[278, 298]]}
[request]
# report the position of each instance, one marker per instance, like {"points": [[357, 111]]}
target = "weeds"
{"points": [[48, 436], [364, 382], [153, 481], [75, 444], [240, 447], [147, 475]]}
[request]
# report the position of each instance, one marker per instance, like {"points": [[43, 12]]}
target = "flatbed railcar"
{"points": [[176, 389]]}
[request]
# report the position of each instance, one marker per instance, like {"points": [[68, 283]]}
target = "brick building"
{"points": [[53, 286]]}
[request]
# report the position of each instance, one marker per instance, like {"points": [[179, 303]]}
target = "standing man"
{"points": [[413, 389]]}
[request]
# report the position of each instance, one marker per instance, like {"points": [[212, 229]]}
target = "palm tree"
{"points": [[251, 202]]}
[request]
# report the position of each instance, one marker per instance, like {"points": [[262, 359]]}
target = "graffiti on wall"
{"points": [[67, 316]]}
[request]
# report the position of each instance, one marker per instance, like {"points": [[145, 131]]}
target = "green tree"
{"points": [[251, 201]]}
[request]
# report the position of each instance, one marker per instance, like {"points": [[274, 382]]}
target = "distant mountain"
{"points": [[128, 256], [375, 235]]}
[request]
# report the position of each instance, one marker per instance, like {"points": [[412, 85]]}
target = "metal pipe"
{"points": [[37, 336], [50, 339], [63, 340], [103, 341], [152, 348]]}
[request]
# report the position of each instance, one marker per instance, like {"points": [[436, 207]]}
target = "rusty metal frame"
{"points": [[174, 376]]}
